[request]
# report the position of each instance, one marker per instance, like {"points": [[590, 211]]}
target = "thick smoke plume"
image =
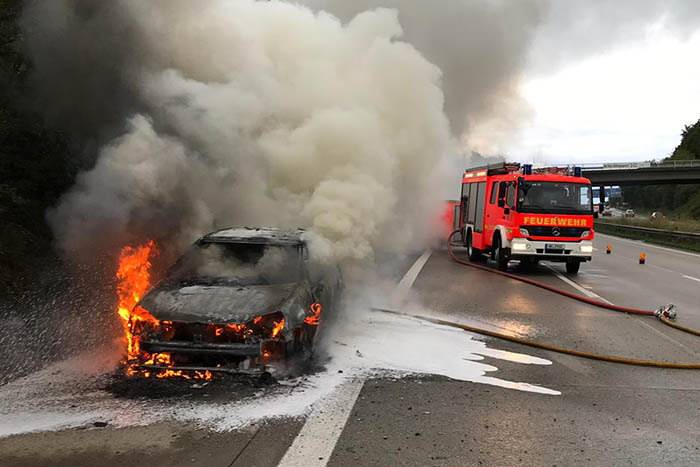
{"points": [[481, 47], [244, 113]]}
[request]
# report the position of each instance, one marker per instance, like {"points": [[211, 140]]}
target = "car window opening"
{"points": [[220, 263]]}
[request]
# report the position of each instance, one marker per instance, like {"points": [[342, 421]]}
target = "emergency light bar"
{"points": [[504, 168], [493, 169]]}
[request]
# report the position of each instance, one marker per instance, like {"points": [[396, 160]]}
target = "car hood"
{"points": [[216, 304]]}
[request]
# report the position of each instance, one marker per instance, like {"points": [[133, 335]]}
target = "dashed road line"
{"points": [[667, 337], [576, 286], [316, 440], [598, 297], [410, 277], [691, 278]]}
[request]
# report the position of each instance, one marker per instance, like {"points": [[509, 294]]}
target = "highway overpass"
{"points": [[643, 173]]}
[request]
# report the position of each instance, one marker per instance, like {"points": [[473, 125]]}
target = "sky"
{"points": [[627, 100]]}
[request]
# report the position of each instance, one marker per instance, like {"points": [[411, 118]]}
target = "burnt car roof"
{"points": [[257, 235]]}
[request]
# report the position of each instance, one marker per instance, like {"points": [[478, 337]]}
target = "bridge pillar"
{"points": [[601, 198]]}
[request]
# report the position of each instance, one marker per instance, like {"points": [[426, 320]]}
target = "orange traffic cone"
{"points": [[608, 249], [642, 258]]}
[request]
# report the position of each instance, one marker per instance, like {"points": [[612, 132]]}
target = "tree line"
{"points": [[677, 200], [35, 162]]}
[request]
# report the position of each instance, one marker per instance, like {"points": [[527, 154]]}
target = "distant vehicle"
{"points": [[239, 301], [657, 215], [606, 213], [630, 213]]}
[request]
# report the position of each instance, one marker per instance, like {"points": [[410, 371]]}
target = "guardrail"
{"points": [[689, 240]]}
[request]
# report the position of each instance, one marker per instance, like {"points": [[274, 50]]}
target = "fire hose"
{"points": [[665, 314]]}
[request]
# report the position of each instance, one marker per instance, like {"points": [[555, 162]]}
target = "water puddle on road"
{"points": [[72, 393]]}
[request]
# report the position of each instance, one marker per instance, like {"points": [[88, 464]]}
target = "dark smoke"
{"points": [[480, 46], [199, 115], [239, 113]]}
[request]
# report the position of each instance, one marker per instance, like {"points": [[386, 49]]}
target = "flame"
{"points": [[278, 327], [134, 280], [236, 327], [314, 319]]}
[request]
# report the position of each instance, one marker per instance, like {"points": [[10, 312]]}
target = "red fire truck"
{"points": [[514, 212]]}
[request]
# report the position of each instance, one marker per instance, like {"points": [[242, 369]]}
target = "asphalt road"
{"points": [[605, 414]]}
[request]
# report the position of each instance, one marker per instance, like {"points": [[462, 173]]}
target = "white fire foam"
{"points": [[69, 393]]}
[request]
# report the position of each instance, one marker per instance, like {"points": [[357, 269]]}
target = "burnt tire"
{"points": [[265, 379], [573, 267], [500, 255], [304, 338]]}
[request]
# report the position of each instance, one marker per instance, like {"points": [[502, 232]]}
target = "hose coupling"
{"points": [[667, 311]]}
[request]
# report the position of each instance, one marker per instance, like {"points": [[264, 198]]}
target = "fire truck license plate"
{"points": [[554, 246]]}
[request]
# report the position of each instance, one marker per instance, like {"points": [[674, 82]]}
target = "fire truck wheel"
{"points": [[473, 253], [500, 255], [572, 267]]}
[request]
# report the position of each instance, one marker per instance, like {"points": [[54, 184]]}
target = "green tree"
{"points": [[689, 147]]}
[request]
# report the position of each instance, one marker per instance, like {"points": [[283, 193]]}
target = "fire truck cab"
{"points": [[513, 212]]}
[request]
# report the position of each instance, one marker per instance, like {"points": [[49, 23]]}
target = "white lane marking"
{"points": [[691, 278], [576, 286], [409, 278], [316, 441], [593, 295], [649, 245], [668, 338]]}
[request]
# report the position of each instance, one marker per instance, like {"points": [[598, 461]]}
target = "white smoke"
{"points": [[267, 114]]}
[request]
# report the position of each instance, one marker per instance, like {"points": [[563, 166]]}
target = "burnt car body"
{"points": [[239, 301]]}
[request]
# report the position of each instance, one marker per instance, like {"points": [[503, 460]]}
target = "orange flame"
{"points": [[236, 327], [278, 328], [134, 280], [315, 319]]}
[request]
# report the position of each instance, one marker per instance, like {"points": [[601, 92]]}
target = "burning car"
{"points": [[238, 301]]}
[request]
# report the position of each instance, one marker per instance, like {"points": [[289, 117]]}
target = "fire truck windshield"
{"points": [[554, 197]]}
